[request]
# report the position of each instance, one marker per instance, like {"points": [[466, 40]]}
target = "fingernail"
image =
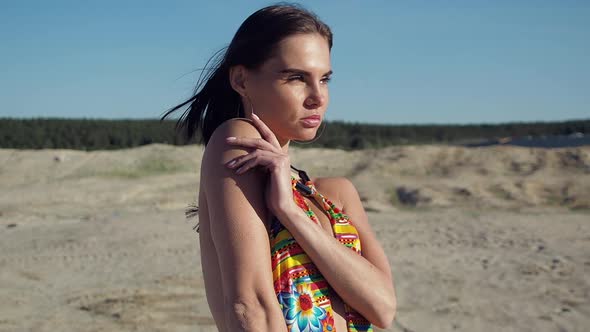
{"points": [[231, 163], [255, 116], [231, 138], [239, 169]]}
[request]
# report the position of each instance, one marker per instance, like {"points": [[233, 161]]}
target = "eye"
{"points": [[296, 78], [326, 79]]}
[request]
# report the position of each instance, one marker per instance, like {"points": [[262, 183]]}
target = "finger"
{"points": [[237, 162], [247, 165], [265, 132], [257, 143], [259, 158]]}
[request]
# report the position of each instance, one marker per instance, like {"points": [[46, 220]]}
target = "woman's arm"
{"points": [[237, 209], [363, 282]]}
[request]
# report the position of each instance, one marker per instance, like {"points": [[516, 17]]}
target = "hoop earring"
{"points": [[251, 105], [241, 106], [238, 115], [316, 138]]}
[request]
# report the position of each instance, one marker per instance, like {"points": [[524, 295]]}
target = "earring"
{"points": [[238, 114], [241, 106], [251, 104]]}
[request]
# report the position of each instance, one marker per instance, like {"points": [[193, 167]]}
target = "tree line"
{"points": [[100, 134]]}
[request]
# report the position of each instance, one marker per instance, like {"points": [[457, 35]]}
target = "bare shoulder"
{"points": [[236, 126], [218, 152], [233, 127], [338, 189], [218, 148]]}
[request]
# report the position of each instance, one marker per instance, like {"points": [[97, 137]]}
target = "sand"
{"points": [[479, 239]]}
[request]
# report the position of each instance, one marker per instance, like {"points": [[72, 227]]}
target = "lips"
{"points": [[311, 121], [313, 117]]}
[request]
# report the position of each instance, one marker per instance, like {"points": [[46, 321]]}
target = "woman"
{"points": [[277, 252]]}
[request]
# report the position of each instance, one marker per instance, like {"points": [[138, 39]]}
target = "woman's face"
{"points": [[292, 85]]}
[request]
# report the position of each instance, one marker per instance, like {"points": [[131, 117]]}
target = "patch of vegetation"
{"points": [[396, 198], [554, 199], [393, 198], [500, 192], [582, 208], [147, 167], [102, 134], [150, 166]]}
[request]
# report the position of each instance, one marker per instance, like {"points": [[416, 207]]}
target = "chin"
{"points": [[307, 135]]}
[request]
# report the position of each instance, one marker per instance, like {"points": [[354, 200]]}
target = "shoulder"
{"points": [[217, 147], [218, 152], [339, 189], [330, 182], [233, 127]]}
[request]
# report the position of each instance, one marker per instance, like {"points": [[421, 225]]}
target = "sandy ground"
{"points": [[482, 239]]}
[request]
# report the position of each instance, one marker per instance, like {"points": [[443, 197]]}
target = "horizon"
{"points": [[397, 63], [335, 120]]}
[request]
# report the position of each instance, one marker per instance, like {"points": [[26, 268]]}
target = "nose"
{"points": [[317, 96]]}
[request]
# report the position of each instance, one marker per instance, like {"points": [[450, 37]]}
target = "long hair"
{"points": [[214, 100]]}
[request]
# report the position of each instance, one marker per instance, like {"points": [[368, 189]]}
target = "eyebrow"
{"points": [[299, 71]]}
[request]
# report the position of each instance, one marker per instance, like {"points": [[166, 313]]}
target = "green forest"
{"points": [[100, 134]]}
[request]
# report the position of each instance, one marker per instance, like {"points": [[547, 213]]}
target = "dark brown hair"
{"points": [[214, 100]]}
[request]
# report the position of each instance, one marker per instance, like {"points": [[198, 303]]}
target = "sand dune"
{"points": [[480, 239]]}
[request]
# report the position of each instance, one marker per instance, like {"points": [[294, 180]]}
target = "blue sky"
{"points": [[397, 62]]}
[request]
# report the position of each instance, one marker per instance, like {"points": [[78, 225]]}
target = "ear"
{"points": [[237, 78]]}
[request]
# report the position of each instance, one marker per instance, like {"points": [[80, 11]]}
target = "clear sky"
{"points": [[394, 62]]}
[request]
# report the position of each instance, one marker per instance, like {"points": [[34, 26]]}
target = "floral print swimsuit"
{"points": [[302, 291]]}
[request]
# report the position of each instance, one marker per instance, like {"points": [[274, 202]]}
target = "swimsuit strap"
{"points": [[344, 232], [342, 226]]}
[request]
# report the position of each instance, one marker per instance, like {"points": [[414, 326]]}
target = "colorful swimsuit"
{"points": [[302, 291]]}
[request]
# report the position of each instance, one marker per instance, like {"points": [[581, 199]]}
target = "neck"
{"points": [[284, 143]]}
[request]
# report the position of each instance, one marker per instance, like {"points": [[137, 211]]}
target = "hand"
{"points": [[269, 156]]}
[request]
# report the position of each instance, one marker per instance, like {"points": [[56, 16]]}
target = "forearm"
{"points": [[356, 280], [250, 316]]}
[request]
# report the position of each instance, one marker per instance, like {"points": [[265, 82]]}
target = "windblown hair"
{"points": [[215, 101]]}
